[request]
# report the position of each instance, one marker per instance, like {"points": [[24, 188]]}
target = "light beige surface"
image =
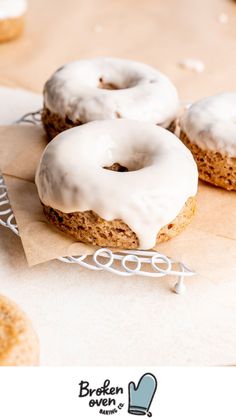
{"points": [[96, 318], [159, 32]]}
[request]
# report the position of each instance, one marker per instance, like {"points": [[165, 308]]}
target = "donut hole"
{"points": [[107, 86], [126, 84], [116, 167], [139, 159]]}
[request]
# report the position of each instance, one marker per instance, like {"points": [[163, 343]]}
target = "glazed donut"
{"points": [[11, 18], [18, 342], [118, 183], [107, 88], [208, 129]]}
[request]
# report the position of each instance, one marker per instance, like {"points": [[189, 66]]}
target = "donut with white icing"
{"points": [[118, 183], [19, 344], [208, 129], [107, 88], [11, 18]]}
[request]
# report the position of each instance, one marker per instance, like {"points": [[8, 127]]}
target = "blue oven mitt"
{"points": [[140, 397]]}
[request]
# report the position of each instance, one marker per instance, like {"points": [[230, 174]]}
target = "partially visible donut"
{"points": [[208, 129], [11, 19], [107, 88], [18, 341], [118, 183]]}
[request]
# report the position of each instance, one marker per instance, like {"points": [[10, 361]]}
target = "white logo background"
{"points": [[52, 393]]}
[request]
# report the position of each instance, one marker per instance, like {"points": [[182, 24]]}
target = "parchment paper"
{"points": [[208, 245]]}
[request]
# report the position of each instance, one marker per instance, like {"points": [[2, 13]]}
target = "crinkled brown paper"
{"points": [[208, 245]]}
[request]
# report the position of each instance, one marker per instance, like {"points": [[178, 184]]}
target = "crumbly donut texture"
{"points": [[213, 167], [107, 88], [88, 227], [18, 342], [11, 28], [54, 123]]}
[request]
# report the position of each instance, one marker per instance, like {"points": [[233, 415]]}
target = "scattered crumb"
{"points": [[192, 64], [98, 28], [223, 18]]}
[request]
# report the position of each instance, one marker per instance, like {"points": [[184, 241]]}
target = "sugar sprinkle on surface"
{"points": [[192, 64]]}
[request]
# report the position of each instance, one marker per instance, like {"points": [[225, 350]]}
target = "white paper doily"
{"points": [[17, 101], [123, 262]]}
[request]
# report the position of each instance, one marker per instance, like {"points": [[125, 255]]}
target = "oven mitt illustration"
{"points": [[140, 397]]}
